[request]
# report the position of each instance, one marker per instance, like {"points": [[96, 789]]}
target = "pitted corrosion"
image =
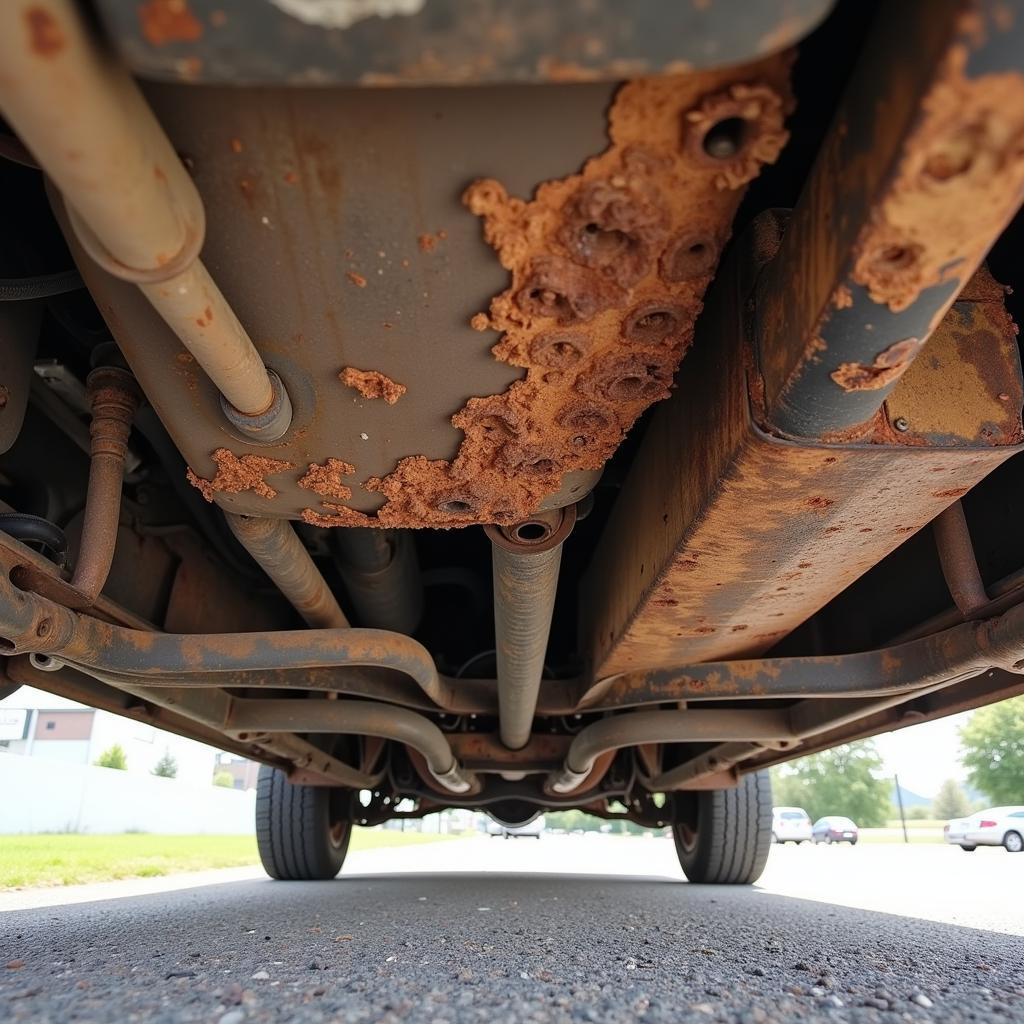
{"points": [[608, 270], [941, 204]]}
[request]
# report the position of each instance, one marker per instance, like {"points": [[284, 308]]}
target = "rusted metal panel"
{"points": [[455, 42], [483, 751], [726, 538], [339, 256], [920, 172]]}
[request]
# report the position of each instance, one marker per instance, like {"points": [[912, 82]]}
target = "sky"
{"points": [[924, 755]]}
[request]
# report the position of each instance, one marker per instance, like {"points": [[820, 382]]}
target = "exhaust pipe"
{"points": [[526, 559]]}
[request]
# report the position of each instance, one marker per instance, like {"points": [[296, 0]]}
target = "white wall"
{"points": [[40, 795]]}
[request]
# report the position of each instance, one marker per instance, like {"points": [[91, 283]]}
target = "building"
{"points": [[34, 723]]}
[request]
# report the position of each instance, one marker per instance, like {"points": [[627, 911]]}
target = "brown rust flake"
{"points": [[887, 368], [326, 480], [372, 384], [46, 38], [168, 21], [958, 183], [236, 474], [608, 271]]}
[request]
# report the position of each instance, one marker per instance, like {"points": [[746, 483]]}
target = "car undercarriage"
{"points": [[513, 406]]}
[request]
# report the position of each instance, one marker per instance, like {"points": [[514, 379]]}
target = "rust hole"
{"points": [[652, 324], [604, 244], [724, 139], [558, 350], [896, 257], [455, 507], [688, 256]]}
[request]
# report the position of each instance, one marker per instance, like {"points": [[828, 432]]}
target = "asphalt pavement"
{"points": [[560, 929]]}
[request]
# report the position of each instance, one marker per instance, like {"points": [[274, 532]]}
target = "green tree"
{"points": [[993, 750], [167, 766], [113, 757], [225, 779], [847, 780], [951, 801]]}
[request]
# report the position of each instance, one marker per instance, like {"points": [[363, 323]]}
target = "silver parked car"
{"points": [[996, 826], [835, 829]]}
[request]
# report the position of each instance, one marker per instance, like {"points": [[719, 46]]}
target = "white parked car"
{"points": [[790, 825], [996, 826]]}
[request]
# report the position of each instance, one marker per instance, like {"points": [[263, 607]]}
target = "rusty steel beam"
{"points": [[918, 175], [726, 536]]}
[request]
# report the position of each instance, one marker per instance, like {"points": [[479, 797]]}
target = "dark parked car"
{"points": [[834, 829]]}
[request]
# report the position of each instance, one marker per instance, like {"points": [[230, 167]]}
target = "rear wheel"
{"points": [[1013, 842], [302, 832], [723, 836]]}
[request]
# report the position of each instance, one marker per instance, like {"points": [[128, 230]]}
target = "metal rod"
{"points": [[276, 547], [719, 758], [381, 575], [959, 564], [114, 398], [362, 718], [525, 561], [630, 730], [130, 199]]}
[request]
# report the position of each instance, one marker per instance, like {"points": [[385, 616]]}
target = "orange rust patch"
{"points": [[45, 36], [842, 298], [236, 145], [337, 515], [887, 367], [942, 209], [428, 243], [357, 279], [608, 270], [326, 481], [168, 21], [236, 474], [372, 384]]}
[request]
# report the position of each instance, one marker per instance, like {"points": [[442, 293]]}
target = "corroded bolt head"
{"points": [[901, 424]]}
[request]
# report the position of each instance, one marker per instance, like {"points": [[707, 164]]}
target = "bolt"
{"points": [[901, 424]]}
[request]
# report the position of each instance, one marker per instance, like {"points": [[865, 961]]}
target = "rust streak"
{"points": [[45, 35]]}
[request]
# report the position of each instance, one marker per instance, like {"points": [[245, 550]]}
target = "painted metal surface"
{"points": [[343, 258], [457, 42]]}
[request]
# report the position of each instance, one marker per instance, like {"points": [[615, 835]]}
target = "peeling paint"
{"points": [[236, 474]]}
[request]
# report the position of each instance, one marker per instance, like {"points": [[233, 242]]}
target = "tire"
{"points": [[967, 849], [302, 832], [1013, 842], [727, 843]]}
